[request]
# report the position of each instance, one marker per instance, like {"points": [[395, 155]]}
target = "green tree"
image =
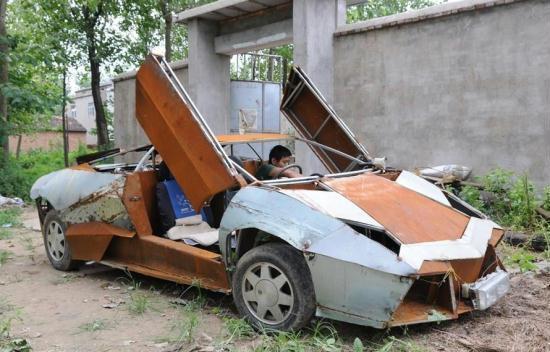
{"points": [[31, 86], [4, 50], [92, 29], [380, 8], [152, 21]]}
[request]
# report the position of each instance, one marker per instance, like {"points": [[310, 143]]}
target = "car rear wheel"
{"points": [[55, 242], [272, 288]]}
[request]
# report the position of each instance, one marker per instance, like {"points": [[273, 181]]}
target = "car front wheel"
{"points": [[55, 241], [272, 288]]}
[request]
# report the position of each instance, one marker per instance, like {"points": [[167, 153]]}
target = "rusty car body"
{"points": [[363, 243]]}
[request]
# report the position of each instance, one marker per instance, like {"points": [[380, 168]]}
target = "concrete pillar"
{"points": [[209, 75], [314, 23]]}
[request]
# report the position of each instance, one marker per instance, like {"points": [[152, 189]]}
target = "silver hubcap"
{"points": [[267, 293], [55, 239]]}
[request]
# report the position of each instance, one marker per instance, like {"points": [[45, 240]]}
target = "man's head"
{"points": [[279, 156]]}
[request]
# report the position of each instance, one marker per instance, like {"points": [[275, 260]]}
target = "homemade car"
{"points": [[362, 243]]}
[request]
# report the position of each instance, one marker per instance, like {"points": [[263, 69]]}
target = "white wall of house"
{"points": [[82, 109]]}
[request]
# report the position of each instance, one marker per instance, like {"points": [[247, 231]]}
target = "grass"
{"points": [[237, 329], [393, 344], [10, 216], [93, 326], [5, 234], [140, 303], [18, 175], [4, 256], [8, 343], [518, 257], [183, 330]]}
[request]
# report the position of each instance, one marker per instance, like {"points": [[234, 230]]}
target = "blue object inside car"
{"points": [[180, 204]]}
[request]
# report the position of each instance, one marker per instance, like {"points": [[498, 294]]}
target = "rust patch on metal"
{"points": [[432, 267], [467, 270], [496, 236], [83, 167], [99, 229], [414, 312], [88, 241], [171, 260], [134, 200], [407, 215], [176, 134], [306, 111]]}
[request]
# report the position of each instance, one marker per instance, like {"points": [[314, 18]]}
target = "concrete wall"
{"points": [[128, 132], [472, 88]]}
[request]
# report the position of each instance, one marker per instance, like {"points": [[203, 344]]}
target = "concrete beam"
{"points": [[187, 15], [269, 35], [209, 79], [314, 25]]}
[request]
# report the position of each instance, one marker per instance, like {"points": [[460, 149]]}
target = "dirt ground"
{"points": [[94, 309]]}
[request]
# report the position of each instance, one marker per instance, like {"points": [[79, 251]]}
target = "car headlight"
{"points": [[488, 289]]}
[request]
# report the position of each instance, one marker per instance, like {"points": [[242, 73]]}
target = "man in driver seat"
{"points": [[279, 158]]}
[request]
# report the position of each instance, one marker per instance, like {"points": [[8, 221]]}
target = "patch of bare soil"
{"points": [[102, 309]]}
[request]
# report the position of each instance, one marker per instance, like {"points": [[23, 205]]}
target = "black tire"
{"points": [[54, 228], [298, 289]]}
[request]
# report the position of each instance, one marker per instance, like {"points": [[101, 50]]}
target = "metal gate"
{"points": [[255, 108]]}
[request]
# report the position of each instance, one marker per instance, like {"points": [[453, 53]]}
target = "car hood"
{"points": [[66, 187], [410, 210]]}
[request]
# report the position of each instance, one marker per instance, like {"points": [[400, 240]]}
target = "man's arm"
{"points": [[287, 173]]}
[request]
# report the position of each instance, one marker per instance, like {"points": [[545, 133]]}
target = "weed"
{"points": [[5, 234], [508, 199], [218, 311], [139, 303], [322, 337], [8, 314], [358, 345], [198, 301], [10, 216], [93, 326], [4, 256], [522, 259], [237, 329], [546, 198], [472, 196], [18, 175], [184, 329], [393, 344]]}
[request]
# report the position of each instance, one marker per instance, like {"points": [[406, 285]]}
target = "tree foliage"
{"points": [[380, 8], [33, 89]]}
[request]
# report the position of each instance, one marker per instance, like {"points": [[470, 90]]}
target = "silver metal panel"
{"points": [[104, 205], [354, 293], [66, 187], [306, 229], [271, 101], [246, 97], [262, 98]]}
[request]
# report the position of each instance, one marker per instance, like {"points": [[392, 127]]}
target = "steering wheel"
{"points": [[290, 166]]}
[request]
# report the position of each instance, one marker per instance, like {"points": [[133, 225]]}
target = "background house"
{"points": [[51, 136], [82, 109]]}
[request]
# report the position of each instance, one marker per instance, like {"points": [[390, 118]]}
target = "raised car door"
{"points": [[312, 116], [180, 134]]}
